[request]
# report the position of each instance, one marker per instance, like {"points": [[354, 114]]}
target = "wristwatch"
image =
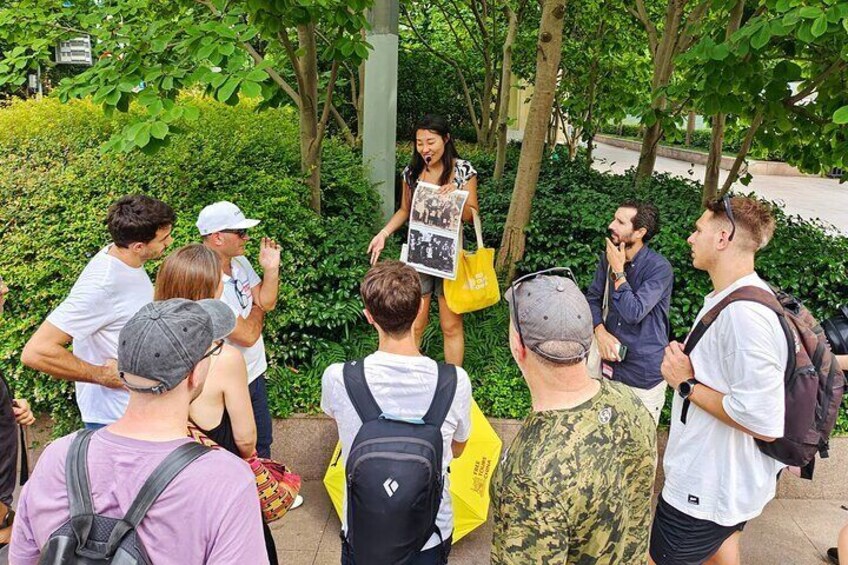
{"points": [[618, 276], [685, 388]]}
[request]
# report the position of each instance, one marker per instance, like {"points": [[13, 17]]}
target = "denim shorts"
{"points": [[431, 284]]}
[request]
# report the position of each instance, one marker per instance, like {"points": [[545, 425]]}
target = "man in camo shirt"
{"points": [[575, 485]]}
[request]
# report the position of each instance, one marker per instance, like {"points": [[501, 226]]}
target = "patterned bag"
{"points": [[276, 486]]}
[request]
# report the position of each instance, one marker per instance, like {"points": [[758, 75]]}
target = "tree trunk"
{"points": [[711, 176], [310, 140], [506, 87], [663, 69], [690, 128], [549, 51], [743, 152]]}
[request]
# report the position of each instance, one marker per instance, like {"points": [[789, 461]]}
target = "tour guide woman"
{"points": [[436, 161]]}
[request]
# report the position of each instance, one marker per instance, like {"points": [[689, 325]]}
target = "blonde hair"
{"points": [[192, 272]]}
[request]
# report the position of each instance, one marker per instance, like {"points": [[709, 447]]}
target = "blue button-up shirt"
{"points": [[638, 315]]}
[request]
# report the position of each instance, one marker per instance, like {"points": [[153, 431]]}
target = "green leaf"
{"points": [[761, 38], [256, 75], [226, 49], [227, 89], [810, 12], [841, 116], [218, 79], [782, 5], [113, 98], [191, 113], [361, 50], [142, 138], [720, 52], [204, 52], [251, 89], [159, 130], [819, 26], [158, 45], [167, 83]]}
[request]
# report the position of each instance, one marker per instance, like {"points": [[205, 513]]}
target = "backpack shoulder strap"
{"points": [[746, 293], [358, 392], [76, 475], [443, 397]]}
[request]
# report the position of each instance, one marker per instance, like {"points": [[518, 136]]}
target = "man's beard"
{"points": [[627, 244]]}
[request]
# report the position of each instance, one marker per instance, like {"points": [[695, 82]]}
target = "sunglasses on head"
{"points": [[517, 283], [728, 210]]}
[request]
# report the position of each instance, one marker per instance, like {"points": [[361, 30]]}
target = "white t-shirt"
{"points": [[238, 296], [403, 386], [713, 471], [106, 295]]}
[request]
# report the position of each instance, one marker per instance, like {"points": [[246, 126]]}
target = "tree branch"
{"points": [[450, 62], [342, 124], [811, 86], [465, 25], [275, 76], [687, 39], [641, 14], [328, 99], [733, 174]]}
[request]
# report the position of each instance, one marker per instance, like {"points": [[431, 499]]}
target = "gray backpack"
{"points": [[90, 539]]}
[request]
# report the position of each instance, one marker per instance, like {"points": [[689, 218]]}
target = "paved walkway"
{"points": [[796, 532], [809, 197]]}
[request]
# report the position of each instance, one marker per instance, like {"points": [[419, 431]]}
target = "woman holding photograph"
{"points": [[435, 161]]}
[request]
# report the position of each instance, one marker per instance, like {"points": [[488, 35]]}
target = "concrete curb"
{"points": [[777, 168], [306, 442]]}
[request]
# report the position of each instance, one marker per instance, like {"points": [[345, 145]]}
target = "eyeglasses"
{"points": [[517, 283], [242, 233], [728, 209], [242, 299], [215, 351]]}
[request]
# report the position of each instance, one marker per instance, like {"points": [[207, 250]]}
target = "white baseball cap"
{"points": [[222, 216]]}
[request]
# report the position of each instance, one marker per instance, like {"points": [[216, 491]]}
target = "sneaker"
{"points": [[833, 555], [298, 502]]}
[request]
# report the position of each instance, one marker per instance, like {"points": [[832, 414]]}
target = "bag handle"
{"points": [[478, 227]]}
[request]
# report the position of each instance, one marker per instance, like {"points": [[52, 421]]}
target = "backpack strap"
{"points": [[745, 293], [157, 482], [443, 397], [79, 490], [358, 392]]}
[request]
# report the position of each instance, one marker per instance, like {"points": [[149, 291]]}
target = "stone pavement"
{"points": [[809, 197], [791, 532]]}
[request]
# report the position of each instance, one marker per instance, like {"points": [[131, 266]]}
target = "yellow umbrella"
{"points": [[469, 478]]}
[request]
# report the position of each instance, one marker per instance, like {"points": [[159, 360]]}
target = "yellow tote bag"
{"points": [[476, 285]]}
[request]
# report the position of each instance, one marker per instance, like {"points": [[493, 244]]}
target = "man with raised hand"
{"points": [[223, 227], [110, 290]]}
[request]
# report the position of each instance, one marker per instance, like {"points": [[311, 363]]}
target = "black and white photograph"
{"points": [[435, 210], [431, 253]]}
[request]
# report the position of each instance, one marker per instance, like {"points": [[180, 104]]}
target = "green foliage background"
{"points": [[56, 185]]}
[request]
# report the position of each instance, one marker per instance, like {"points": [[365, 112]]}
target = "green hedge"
{"points": [[56, 186]]}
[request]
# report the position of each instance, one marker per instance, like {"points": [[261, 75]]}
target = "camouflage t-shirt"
{"points": [[575, 485]]}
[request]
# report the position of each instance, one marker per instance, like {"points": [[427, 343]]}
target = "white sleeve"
{"points": [[329, 381], [756, 358], [86, 310], [252, 277], [462, 406]]}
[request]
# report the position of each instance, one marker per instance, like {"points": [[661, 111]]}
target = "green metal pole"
{"points": [[380, 108]]}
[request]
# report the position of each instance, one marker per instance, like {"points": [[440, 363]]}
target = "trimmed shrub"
{"points": [[56, 187]]}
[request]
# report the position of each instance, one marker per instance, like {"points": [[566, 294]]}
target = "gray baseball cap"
{"points": [[165, 340], [551, 316]]}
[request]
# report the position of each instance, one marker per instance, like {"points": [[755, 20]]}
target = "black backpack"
{"points": [[394, 473], [813, 383], [90, 539]]}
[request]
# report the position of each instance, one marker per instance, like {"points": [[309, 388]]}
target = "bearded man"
{"points": [[630, 299]]}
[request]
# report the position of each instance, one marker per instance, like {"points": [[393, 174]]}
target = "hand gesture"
{"points": [[615, 256], [269, 254], [676, 366], [376, 246], [23, 413]]}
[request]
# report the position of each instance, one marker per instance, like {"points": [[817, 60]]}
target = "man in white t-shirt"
{"points": [[403, 383], [110, 290], [729, 392], [224, 227]]}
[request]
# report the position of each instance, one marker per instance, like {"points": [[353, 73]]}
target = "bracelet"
{"points": [[385, 232]]}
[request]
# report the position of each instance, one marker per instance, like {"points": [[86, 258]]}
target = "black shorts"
{"points": [[680, 539]]}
